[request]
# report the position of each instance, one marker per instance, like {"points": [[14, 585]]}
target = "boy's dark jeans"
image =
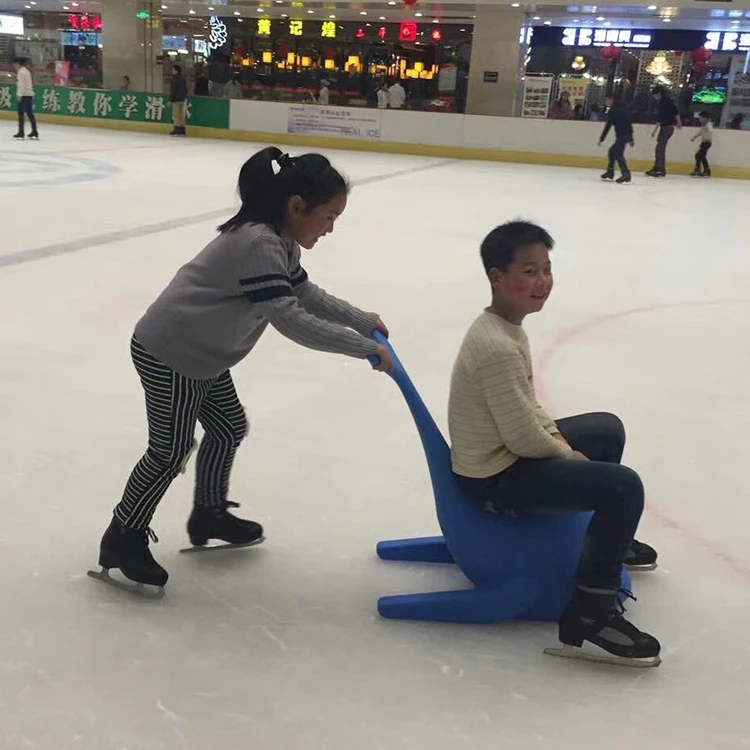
{"points": [[662, 139], [26, 106], [617, 154], [614, 492], [701, 162]]}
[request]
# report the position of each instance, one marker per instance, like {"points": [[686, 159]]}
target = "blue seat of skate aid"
{"points": [[521, 567]]}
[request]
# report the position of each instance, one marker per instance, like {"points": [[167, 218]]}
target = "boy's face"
{"points": [[16, 67], [525, 286]]}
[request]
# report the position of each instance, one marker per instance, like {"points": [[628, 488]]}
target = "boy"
{"points": [[706, 135], [25, 96], [513, 458], [666, 121], [619, 117], [178, 96]]}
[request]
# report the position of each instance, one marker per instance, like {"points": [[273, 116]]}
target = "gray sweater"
{"points": [[218, 305]]}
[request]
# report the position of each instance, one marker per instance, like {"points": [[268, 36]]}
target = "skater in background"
{"points": [[383, 96], [25, 96], [619, 118], [206, 321], [562, 109], [513, 458], [178, 96], [667, 119], [397, 95], [706, 136], [324, 94]]}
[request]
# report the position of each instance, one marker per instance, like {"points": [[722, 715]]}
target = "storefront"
{"points": [[696, 66]]}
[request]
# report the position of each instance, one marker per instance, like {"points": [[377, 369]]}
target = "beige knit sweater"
{"points": [[493, 415]]}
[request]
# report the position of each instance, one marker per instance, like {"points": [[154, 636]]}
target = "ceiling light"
{"points": [[28, 7], [240, 20], [192, 12], [536, 18], [363, 13], [417, 15], [279, 2], [331, 16], [164, 7], [260, 10], [32, 2], [236, 13], [434, 20], [575, 20], [65, 7], [667, 20], [600, 18], [607, 23], [392, 2], [653, 7], [284, 15], [382, 18], [515, 5]]}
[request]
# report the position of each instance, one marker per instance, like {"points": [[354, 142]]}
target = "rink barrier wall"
{"points": [[450, 136]]}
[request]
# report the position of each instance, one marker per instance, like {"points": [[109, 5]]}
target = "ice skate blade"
{"points": [[571, 652], [141, 589], [217, 547], [641, 568]]}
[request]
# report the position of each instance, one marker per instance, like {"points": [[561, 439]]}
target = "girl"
{"points": [[208, 319]]}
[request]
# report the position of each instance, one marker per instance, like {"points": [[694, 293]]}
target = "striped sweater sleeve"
{"points": [[267, 284], [318, 302], [504, 382]]}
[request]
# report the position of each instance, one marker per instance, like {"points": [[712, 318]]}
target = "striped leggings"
{"points": [[174, 404]]}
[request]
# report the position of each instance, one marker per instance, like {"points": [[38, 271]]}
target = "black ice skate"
{"points": [[624, 180], [127, 550], [640, 557], [207, 524], [655, 173], [598, 619], [19, 137], [34, 136], [608, 175]]}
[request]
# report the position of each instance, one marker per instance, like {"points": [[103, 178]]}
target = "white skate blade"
{"points": [[220, 546], [572, 652], [641, 568], [141, 589]]}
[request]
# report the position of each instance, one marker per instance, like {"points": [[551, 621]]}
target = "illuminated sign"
{"points": [[408, 31], [437, 35], [629, 38], [328, 30], [382, 33], [264, 27], [296, 28], [11, 25], [218, 36], [85, 22], [727, 41], [360, 34]]}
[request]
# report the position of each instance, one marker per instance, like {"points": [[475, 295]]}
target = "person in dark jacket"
{"points": [[666, 122], [178, 96], [619, 118]]}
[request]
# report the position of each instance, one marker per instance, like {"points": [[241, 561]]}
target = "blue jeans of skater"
{"points": [[554, 485], [617, 154], [662, 139], [26, 107]]}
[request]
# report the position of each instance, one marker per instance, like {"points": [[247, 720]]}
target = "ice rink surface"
{"points": [[280, 647]]}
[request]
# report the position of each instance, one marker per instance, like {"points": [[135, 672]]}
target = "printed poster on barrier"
{"points": [[738, 96], [536, 94], [334, 122]]}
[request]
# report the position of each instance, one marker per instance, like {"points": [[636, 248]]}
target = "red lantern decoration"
{"points": [[408, 32], [382, 31], [700, 57], [437, 35], [409, 3], [360, 34], [612, 54]]}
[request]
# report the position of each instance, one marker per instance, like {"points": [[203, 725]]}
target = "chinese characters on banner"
{"points": [[109, 105], [576, 87]]}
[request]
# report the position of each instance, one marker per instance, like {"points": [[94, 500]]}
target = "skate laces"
{"points": [[151, 535], [619, 606]]}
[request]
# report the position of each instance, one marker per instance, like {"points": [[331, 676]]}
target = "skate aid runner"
{"points": [[207, 320], [513, 458]]}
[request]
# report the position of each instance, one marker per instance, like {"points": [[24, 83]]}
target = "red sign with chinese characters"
{"points": [[382, 32], [360, 34], [437, 35], [408, 31], [85, 22]]}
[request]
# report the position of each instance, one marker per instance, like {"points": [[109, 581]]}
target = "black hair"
{"points": [[269, 178], [177, 68], [705, 113], [657, 90], [20, 60], [500, 247]]}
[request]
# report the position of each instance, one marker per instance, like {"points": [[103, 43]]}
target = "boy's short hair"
{"points": [[19, 60], [657, 90], [705, 114], [500, 247]]}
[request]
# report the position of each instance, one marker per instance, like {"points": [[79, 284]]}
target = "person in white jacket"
{"points": [[397, 96], [25, 95]]}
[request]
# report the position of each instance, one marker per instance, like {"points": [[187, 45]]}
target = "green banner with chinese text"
{"points": [[116, 105]]}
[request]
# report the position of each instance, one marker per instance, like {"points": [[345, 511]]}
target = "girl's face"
{"points": [[526, 285], [308, 226]]}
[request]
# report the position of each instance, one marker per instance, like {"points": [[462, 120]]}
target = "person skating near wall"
{"points": [[706, 136], [178, 96], [25, 96], [667, 120], [619, 118]]}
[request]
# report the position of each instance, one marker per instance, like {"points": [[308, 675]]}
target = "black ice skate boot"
{"points": [[34, 136], [624, 179], [608, 175], [598, 619], [127, 550], [19, 137], [640, 557], [206, 524]]}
